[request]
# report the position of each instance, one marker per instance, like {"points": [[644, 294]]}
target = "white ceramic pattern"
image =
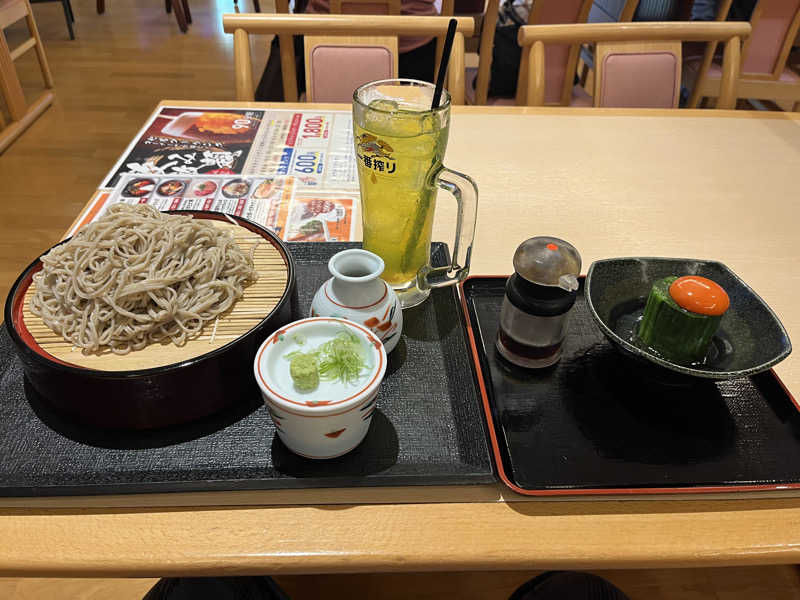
{"points": [[357, 293], [332, 419]]}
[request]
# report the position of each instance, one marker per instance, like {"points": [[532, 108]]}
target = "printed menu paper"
{"points": [[292, 171]]}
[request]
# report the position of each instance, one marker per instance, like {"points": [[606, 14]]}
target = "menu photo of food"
{"points": [[186, 142], [236, 188], [328, 218], [270, 188], [172, 187], [203, 188], [141, 186]]}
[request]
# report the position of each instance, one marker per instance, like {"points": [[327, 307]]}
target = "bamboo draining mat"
{"points": [[258, 300]]}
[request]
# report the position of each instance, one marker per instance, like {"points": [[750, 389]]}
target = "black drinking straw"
{"points": [[448, 46]]}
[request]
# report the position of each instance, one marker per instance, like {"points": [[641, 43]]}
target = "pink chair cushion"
{"points": [[338, 70], [768, 35], [641, 80]]}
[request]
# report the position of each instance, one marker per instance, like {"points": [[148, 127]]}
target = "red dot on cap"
{"points": [[551, 246]]}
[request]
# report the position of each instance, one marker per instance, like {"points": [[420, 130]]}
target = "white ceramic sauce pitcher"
{"points": [[357, 293]]}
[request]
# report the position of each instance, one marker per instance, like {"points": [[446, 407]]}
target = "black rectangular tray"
{"points": [[597, 423], [428, 428]]}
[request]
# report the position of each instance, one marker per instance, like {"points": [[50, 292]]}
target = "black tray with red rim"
{"points": [[600, 423]]}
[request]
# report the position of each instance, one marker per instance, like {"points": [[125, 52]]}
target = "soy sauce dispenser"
{"points": [[539, 296]]}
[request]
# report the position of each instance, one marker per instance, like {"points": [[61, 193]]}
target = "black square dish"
{"points": [[427, 429], [597, 422]]}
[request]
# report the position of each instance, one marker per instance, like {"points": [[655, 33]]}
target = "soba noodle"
{"points": [[138, 276]]}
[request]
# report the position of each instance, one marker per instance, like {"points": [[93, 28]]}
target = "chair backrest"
{"points": [[367, 59], [347, 27], [560, 59], [775, 24], [543, 12], [642, 69]]}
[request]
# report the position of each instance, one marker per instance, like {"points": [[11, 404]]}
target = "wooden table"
{"points": [[709, 184]]}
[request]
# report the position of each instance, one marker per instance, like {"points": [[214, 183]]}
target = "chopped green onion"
{"points": [[341, 358]]}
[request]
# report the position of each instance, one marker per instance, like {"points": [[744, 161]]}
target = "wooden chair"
{"points": [[562, 60], [764, 73], [22, 115], [637, 64], [350, 31]]}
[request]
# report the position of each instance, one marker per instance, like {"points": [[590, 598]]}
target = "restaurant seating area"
{"points": [[641, 70], [623, 135]]}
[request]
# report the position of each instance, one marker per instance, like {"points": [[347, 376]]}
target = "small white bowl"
{"points": [[332, 419]]}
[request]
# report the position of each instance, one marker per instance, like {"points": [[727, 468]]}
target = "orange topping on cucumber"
{"points": [[699, 295]]}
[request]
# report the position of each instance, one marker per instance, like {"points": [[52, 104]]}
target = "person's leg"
{"points": [[270, 87], [568, 585], [216, 588], [704, 10], [655, 10], [418, 63]]}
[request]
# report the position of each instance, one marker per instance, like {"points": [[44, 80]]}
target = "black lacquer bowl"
{"points": [[149, 398], [750, 339]]}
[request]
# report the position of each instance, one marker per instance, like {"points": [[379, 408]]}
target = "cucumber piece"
{"points": [[673, 332]]}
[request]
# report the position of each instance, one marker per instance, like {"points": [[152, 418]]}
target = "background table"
{"points": [[705, 184]]}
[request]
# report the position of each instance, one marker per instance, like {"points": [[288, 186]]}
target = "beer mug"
{"points": [[400, 143]]}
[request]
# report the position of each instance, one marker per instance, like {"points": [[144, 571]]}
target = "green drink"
{"points": [[400, 143]]}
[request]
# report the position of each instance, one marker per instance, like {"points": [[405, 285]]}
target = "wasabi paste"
{"points": [[304, 371]]}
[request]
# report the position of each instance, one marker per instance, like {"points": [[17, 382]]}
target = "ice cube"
{"points": [[384, 105]]}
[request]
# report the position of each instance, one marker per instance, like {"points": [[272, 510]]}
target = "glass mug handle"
{"points": [[465, 192]]}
